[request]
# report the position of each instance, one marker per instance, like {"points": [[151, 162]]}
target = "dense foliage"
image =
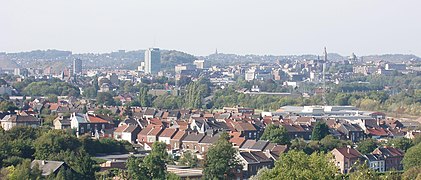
{"points": [[275, 134], [220, 159]]}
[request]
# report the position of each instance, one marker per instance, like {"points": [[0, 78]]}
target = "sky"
{"points": [[199, 27]]}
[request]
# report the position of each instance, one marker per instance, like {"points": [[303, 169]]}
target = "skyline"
{"points": [[199, 28]]}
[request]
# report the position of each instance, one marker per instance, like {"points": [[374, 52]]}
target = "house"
{"points": [[199, 124], [176, 140], [167, 135], [191, 141], [95, 125], [127, 132], [352, 132], [260, 145], [173, 115], [247, 130], [392, 157], [298, 131], [207, 141], [12, 120], [346, 157], [377, 133], [153, 135], [142, 137], [61, 123], [149, 113], [274, 152], [253, 161], [375, 162], [49, 167]]}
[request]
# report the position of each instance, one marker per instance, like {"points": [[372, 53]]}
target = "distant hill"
{"points": [[397, 58], [6, 63]]}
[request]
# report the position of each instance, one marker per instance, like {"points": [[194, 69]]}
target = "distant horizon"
{"points": [[219, 52]]}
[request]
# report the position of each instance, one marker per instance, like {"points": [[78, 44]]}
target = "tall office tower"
{"points": [[152, 61], [77, 66]]}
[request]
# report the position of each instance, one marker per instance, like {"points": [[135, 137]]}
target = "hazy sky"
{"points": [[278, 27]]}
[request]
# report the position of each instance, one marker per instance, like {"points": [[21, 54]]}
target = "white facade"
{"points": [[152, 61]]}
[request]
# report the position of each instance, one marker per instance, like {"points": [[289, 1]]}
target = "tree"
{"points": [[220, 159], [363, 172], [53, 142], [188, 159], [412, 173], [401, 143], [320, 130], [7, 106], [24, 171], [135, 170], [275, 134], [298, 165], [144, 97], [105, 98], [412, 157], [367, 146], [155, 162], [329, 143]]}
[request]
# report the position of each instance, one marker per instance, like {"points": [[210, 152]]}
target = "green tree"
{"points": [[320, 130], [155, 162], [188, 159], [105, 98], [135, 170], [54, 142], [329, 143], [220, 159], [367, 146], [7, 106], [275, 134], [298, 165], [401, 143], [24, 171], [363, 172], [412, 157], [144, 97], [412, 173]]}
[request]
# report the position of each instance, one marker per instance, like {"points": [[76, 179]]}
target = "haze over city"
{"points": [[200, 27]]}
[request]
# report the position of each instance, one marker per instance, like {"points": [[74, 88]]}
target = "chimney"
{"points": [[347, 150], [43, 162]]}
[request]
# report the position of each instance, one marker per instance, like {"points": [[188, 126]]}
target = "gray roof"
{"points": [[194, 137], [47, 167], [260, 145]]}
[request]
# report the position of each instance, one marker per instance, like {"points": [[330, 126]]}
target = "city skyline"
{"points": [[240, 27]]}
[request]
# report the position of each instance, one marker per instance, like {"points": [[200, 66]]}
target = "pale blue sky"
{"points": [[278, 27]]}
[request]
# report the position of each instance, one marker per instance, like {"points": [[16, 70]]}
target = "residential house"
{"points": [[207, 141], [298, 131], [149, 113], [352, 132], [61, 123], [95, 125], [375, 162], [247, 130], [12, 120], [167, 135], [392, 157], [191, 141], [176, 140], [253, 161], [127, 132], [346, 157]]}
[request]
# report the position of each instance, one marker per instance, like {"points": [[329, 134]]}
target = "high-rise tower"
{"points": [[152, 61], [77, 66]]}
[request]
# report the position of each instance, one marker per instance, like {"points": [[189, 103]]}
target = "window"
{"points": [[88, 126]]}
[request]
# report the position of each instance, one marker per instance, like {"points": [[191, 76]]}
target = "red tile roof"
{"points": [[169, 132], [120, 128], [96, 119], [349, 152]]}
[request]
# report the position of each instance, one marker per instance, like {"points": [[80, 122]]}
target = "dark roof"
{"points": [[194, 137], [260, 145], [149, 112], [209, 139], [19, 118], [374, 157], [389, 151], [131, 128], [248, 144], [47, 167]]}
